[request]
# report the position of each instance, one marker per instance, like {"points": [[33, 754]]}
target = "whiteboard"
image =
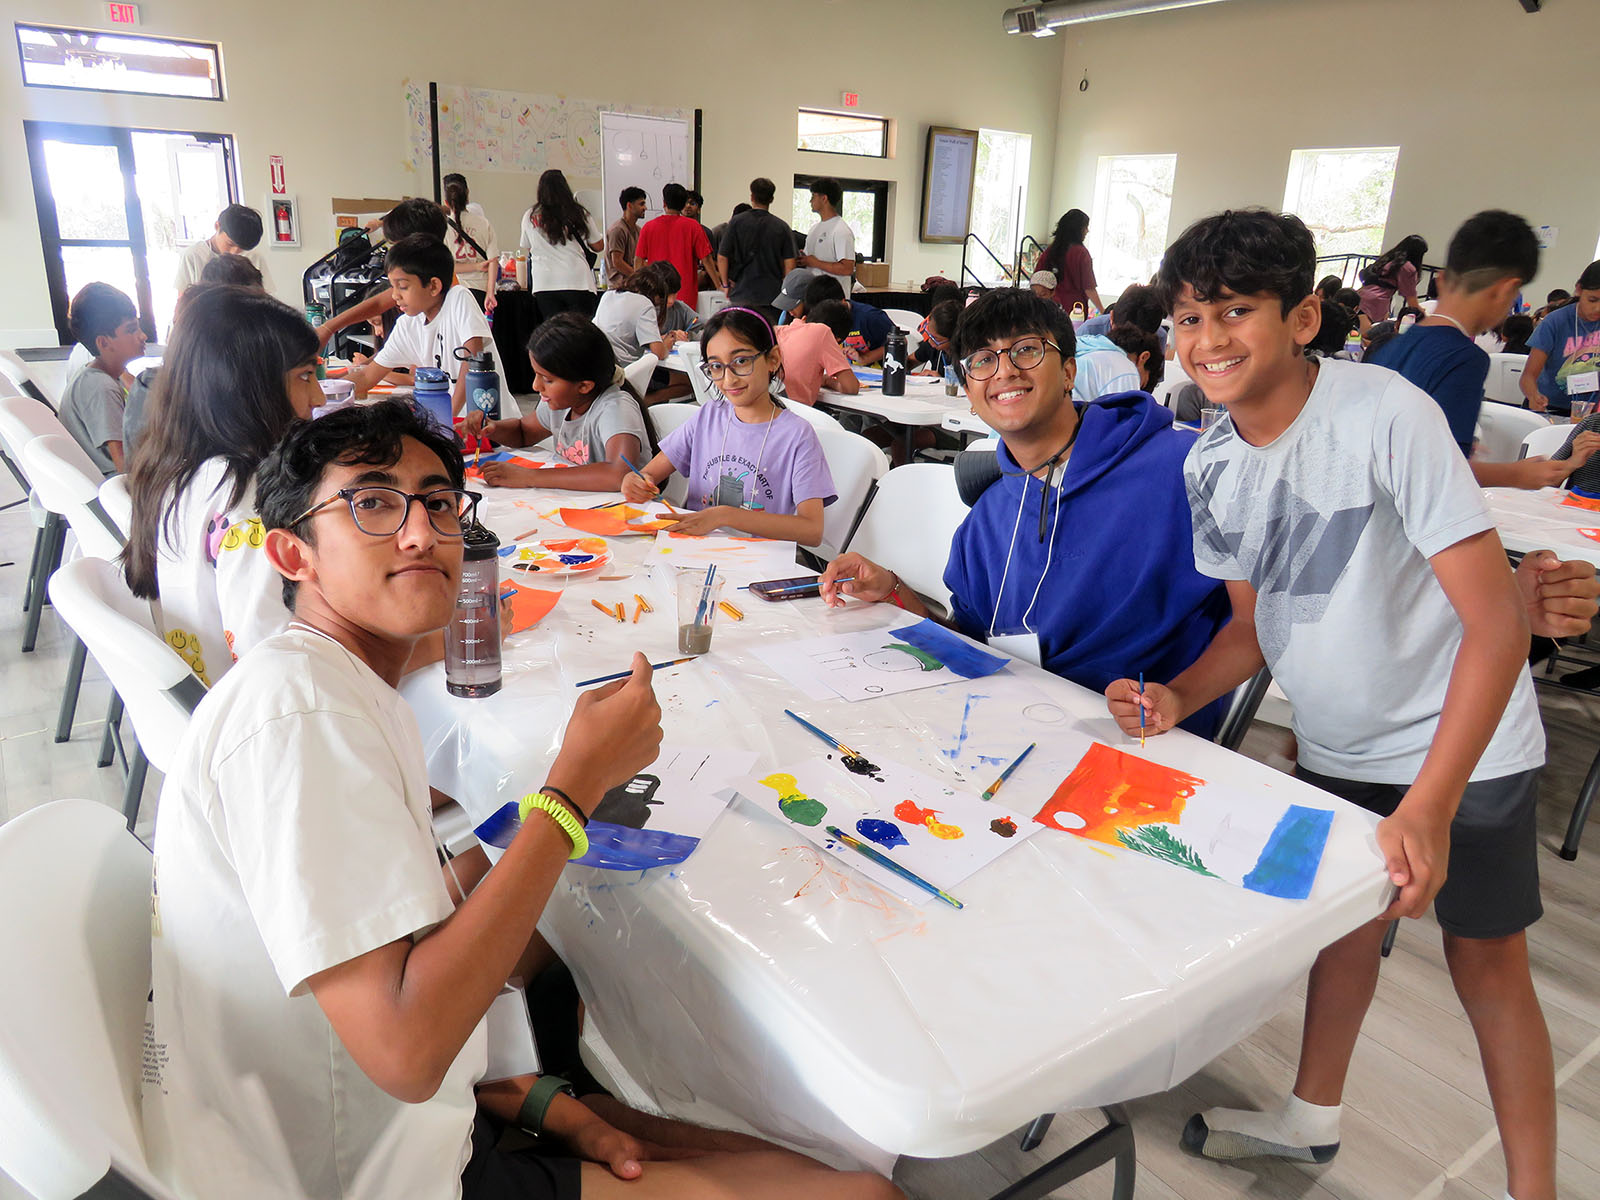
{"points": [[947, 181], [646, 152]]}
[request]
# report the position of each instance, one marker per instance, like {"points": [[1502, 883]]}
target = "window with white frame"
{"points": [[1128, 224], [87, 60], [999, 198], [1342, 196]]}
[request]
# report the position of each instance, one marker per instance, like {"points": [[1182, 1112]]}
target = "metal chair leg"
{"points": [[110, 740], [1035, 1133], [133, 788], [1580, 810], [33, 568], [1388, 938], [69, 691], [55, 530], [1111, 1144]]}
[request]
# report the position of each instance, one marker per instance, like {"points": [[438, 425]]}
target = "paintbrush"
{"points": [[1006, 774], [646, 478], [1141, 710], [827, 737], [888, 864], [660, 666]]}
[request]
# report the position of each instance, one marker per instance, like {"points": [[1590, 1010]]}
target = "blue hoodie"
{"points": [[1123, 595]]}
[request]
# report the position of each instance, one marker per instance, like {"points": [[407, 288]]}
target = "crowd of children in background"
{"points": [[1453, 775]]}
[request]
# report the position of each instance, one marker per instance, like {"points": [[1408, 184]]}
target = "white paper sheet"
{"points": [[739, 560], [856, 666]]}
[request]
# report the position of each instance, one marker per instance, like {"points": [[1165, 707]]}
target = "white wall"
{"points": [[1486, 102], [320, 84]]}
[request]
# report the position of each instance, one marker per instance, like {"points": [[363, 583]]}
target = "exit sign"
{"points": [[851, 99], [123, 14]]}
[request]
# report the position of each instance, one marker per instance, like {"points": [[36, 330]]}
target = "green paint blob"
{"points": [[803, 810]]}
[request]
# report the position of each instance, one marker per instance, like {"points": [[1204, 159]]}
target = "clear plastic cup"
{"points": [[1582, 409], [1210, 415], [697, 611]]}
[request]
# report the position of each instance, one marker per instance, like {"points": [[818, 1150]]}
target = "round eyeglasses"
{"points": [[1024, 353], [381, 511]]}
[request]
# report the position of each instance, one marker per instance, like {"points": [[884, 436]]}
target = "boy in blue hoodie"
{"points": [[1079, 558]]}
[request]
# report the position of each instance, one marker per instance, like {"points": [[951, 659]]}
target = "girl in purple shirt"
{"points": [[751, 465]]}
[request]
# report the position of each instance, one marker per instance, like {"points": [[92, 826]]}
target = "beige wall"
{"points": [[1485, 101], [321, 84]]}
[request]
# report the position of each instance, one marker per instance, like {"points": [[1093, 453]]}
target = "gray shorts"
{"points": [[1492, 886]]}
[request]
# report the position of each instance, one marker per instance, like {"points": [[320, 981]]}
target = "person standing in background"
{"points": [[757, 252], [1396, 270], [472, 243], [622, 239], [676, 238], [555, 231], [1069, 260]]}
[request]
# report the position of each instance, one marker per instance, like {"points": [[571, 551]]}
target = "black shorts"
{"points": [[1492, 886], [515, 1175]]}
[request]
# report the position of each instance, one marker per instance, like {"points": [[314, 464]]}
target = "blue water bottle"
{"points": [[430, 392], [483, 383]]}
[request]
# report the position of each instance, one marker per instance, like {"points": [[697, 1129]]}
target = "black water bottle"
{"points": [[894, 364]]}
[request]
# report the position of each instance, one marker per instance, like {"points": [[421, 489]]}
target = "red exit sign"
{"points": [[123, 14], [851, 99]]}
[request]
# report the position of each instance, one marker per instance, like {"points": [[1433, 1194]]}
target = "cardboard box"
{"points": [[872, 275]]}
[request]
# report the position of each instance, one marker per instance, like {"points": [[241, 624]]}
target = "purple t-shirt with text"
{"points": [[725, 461]]}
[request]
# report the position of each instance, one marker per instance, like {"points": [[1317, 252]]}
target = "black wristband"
{"points": [[567, 800]]}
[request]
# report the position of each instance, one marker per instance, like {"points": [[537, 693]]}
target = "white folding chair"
{"points": [[1501, 428], [156, 685], [72, 1019], [117, 502], [908, 323], [909, 523], [26, 379], [813, 416], [705, 391], [1505, 379], [855, 464], [664, 418], [1543, 442], [68, 485], [637, 373]]}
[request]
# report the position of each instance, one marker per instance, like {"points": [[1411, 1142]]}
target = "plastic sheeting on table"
{"points": [[1537, 520], [763, 980]]}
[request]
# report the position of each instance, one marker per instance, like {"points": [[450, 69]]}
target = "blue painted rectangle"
{"points": [[1288, 866], [954, 651]]}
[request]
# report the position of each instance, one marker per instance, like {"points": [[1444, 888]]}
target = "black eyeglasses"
{"points": [[1025, 354], [382, 511], [740, 364]]}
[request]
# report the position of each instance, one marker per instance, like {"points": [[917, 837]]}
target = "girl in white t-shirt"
{"points": [[554, 232], [241, 369], [471, 240], [593, 425]]}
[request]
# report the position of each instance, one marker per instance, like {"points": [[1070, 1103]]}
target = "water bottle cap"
{"points": [[430, 377], [482, 361], [480, 542]]}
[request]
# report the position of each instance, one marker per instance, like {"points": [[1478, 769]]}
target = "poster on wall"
{"points": [[947, 179]]}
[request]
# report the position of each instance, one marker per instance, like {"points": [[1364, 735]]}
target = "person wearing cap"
{"points": [[1043, 284]]}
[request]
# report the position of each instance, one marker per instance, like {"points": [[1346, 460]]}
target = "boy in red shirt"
{"points": [[679, 240]]}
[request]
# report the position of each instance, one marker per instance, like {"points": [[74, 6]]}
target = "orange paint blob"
{"points": [[1110, 790], [908, 812]]}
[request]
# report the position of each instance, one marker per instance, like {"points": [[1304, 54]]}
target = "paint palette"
{"points": [[561, 556], [932, 828]]}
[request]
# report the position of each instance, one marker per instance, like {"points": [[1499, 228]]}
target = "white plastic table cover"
{"points": [[763, 985], [1537, 520]]}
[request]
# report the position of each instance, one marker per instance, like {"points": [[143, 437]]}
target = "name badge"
{"points": [[1019, 645], [1589, 381]]}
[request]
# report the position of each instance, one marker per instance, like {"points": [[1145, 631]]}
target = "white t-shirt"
{"points": [[472, 269], [418, 342], [630, 321], [1104, 373], [832, 241], [293, 835], [553, 268], [219, 594], [196, 255], [1333, 524]]}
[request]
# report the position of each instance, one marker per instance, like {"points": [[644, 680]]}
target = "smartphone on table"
{"points": [[788, 589]]}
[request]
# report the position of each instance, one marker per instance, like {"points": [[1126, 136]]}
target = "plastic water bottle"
{"points": [[472, 642], [894, 364]]}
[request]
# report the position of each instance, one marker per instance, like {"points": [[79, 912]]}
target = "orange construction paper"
{"points": [[610, 522], [1592, 534], [529, 605], [1572, 500], [1109, 790]]}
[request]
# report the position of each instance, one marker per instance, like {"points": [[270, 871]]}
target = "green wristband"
{"points": [[541, 1095]]}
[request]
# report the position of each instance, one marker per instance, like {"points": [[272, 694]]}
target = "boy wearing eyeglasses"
{"points": [[1078, 558], [318, 1020]]}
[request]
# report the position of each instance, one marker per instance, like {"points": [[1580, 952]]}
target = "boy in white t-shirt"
{"points": [[1334, 503], [319, 992], [831, 243], [237, 231], [437, 319]]}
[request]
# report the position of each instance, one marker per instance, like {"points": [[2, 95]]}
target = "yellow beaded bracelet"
{"points": [[561, 815]]}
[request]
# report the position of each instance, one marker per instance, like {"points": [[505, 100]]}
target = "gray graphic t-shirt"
{"points": [[1333, 524]]}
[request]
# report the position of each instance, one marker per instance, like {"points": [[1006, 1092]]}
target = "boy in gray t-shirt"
{"points": [[1335, 505], [106, 324]]}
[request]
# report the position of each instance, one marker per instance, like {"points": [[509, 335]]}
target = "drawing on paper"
{"points": [[860, 666], [1253, 840]]}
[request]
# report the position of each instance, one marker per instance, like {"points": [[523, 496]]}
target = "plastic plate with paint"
{"points": [[562, 556]]}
